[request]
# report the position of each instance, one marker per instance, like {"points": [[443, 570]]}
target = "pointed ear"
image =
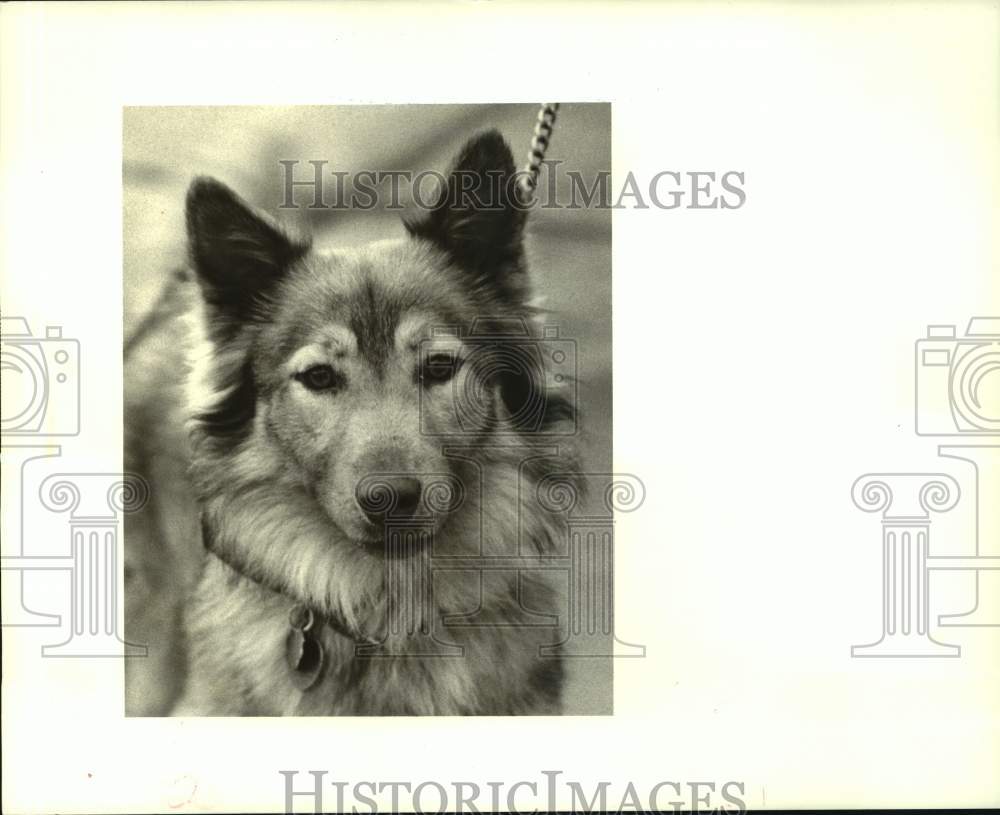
{"points": [[239, 254], [478, 219]]}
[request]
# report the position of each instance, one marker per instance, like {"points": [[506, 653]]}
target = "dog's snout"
{"points": [[408, 492], [389, 497]]}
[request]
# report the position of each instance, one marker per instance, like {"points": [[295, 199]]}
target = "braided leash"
{"points": [[539, 144]]}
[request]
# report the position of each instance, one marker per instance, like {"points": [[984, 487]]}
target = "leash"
{"points": [[539, 145]]}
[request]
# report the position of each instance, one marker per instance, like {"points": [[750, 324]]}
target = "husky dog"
{"points": [[341, 442]]}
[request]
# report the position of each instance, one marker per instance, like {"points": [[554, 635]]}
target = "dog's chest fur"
{"points": [[239, 647]]}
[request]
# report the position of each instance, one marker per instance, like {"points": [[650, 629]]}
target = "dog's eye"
{"points": [[320, 378], [438, 368]]}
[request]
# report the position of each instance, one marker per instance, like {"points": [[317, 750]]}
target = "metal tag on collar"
{"points": [[303, 649]]}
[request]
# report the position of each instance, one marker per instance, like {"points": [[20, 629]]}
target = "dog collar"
{"points": [[304, 651]]}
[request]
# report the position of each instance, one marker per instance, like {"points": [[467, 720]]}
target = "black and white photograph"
{"points": [[357, 393], [377, 437]]}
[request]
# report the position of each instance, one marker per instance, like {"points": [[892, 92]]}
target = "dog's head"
{"points": [[340, 374]]}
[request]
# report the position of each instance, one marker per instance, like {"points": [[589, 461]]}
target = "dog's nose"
{"points": [[389, 497]]}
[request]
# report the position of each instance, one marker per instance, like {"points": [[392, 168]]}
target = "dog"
{"points": [[349, 431]]}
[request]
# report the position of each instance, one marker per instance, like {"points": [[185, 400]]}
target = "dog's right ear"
{"points": [[239, 254]]}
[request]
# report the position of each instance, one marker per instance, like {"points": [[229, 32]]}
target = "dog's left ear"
{"points": [[478, 218]]}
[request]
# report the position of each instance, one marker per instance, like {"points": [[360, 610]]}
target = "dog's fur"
{"points": [[276, 465]]}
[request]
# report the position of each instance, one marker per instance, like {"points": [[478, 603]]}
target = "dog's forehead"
{"points": [[385, 296]]}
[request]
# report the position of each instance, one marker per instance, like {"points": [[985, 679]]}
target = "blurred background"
{"points": [[569, 251]]}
